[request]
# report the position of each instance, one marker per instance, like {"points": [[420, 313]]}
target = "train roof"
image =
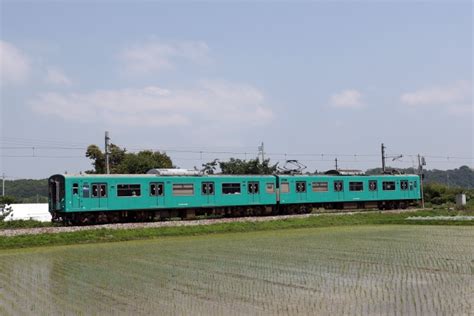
{"points": [[86, 175]]}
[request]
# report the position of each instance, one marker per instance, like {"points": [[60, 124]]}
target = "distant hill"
{"points": [[27, 190], [462, 177]]}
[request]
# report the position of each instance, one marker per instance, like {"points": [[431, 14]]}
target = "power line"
{"points": [[273, 154]]}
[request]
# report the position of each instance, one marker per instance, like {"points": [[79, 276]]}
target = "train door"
{"points": [[76, 198], [404, 189], [373, 189], [254, 191], [157, 192], [339, 190], [54, 194], [300, 188], [99, 196], [208, 192]]}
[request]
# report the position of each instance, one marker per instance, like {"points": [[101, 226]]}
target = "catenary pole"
{"points": [[420, 173], [107, 138], [383, 158], [261, 149]]}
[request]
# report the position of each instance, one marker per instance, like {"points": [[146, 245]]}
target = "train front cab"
{"points": [[56, 188]]}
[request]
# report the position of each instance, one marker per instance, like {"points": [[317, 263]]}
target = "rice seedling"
{"points": [[389, 269]]}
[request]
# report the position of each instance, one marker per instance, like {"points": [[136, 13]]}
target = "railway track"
{"points": [[180, 223]]}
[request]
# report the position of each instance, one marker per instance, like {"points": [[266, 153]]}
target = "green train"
{"points": [[90, 199]]}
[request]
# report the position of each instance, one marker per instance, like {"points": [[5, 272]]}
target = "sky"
{"points": [[313, 81]]}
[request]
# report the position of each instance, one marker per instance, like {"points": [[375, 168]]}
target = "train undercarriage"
{"points": [[105, 217]]}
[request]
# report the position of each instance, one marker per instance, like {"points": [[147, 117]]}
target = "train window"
{"points": [[230, 188], [270, 188], [411, 186], [373, 185], [388, 185], [103, 190], [207, 188], [85, 190], [253, 187], [319, 186], [75, 188], [183, 189], [99, 190], [338, 186], [156, 189], [300, 186], [284, 187], [404, 185], [128, 190], [95, 190], [356, 186]]}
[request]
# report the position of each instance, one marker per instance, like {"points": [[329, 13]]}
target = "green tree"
{"points": [[94, 153], [6, 200], [143, 161], [121, 161], [252, 166], [116, 157]]}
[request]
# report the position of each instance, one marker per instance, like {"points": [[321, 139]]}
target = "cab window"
{"points": [[75, 188]]}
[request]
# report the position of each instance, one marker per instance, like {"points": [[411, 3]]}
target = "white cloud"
{"points": [[57, 76], [14, 64], [155, 56], [350, 98], [460, 92], [214, 103]]}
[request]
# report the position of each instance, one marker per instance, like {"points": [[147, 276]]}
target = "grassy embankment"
{"points": [[109, 235]]}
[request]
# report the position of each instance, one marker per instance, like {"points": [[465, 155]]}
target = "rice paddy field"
{"points": [[359, 270]]}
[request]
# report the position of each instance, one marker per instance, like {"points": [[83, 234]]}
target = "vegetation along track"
{"points": [[181, 223]]}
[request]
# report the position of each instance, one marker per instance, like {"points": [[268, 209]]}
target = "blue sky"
{"points": [[313, 81]]}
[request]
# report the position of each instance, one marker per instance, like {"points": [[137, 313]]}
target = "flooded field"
{"points": [[369, 270]]}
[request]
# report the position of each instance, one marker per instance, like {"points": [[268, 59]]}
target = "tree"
{"points": [[120, 161], [252, 166], [94, 153], [143, 161]]}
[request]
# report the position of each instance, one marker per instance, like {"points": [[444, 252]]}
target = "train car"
{"points": [[299, 192], [88, 199], [114, 198]]}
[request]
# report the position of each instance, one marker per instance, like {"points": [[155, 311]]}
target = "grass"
{"points": [[20, 223], [109, 235], [362, 269]]}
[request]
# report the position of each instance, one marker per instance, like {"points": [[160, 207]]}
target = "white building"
{"points": [[35, 211]]}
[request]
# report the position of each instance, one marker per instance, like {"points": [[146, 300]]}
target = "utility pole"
{"points": [[383, 158], [3, 184], [261, 149], [107, 138], [335, 160], [421, 163]]}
